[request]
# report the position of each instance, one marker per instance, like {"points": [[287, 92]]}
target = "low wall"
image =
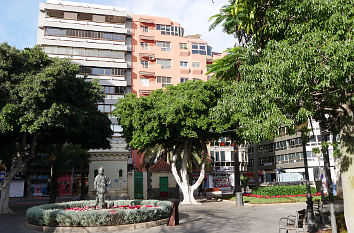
{"points": [[96, 229]]}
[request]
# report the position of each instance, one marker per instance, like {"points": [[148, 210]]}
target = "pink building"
{"points": [[162, 55]]}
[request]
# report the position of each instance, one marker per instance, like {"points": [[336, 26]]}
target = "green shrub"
{"points": [[282, 190], [55, 215]]}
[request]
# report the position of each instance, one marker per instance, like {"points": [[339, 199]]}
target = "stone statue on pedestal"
{"points": [[100, 185]]}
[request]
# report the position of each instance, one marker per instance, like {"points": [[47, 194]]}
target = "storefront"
{"points": [[67, 182], [39, 184]]}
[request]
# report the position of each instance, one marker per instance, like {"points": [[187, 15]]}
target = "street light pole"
{"points": [[318, 155]]}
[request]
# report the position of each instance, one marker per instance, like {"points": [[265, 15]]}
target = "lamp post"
{"points": [[318, 155], [52, 181]]}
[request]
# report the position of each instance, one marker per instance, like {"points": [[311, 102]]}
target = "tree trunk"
{"points": [[347, 168], [5, 197], [53, 188], [83, 181], [17, 163], [181, 175], [255, 166], [309, 209], [237, 190], [236, 171], [324, 135]]}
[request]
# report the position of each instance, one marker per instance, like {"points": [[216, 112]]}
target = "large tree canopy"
{"points": [[299, 57], [42, 101], [179, 119]]}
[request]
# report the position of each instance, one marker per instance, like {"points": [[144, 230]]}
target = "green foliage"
{"points": [[170, 117], [282, 190], [298, 62], [55, 215], [42, 99], [244, 181]]}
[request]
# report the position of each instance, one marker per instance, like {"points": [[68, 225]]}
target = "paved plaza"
{"points": [[210, 216]]}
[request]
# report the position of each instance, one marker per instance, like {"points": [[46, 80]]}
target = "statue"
{"points": [[100, 185]]}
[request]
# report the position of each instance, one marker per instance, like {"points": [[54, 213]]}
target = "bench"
{"points": [[292, 222]]}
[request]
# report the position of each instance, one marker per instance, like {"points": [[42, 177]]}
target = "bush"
{"points": [[282, 190], [56, 215]]}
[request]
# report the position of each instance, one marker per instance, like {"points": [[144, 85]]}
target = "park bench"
{"points": [[296, 223]]}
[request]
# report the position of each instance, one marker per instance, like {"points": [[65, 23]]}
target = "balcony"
{"points": [[209, 60], [149, 56], [184, 53], [145, 92], [197, 71], [147, 73], [142, 37], [185, 71], [142, 20]]}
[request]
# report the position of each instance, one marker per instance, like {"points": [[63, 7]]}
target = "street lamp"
{"points": [[318, 155]]}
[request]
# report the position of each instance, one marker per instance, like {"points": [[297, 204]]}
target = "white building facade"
{"points": [[98, 39]]}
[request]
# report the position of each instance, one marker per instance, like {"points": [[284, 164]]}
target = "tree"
{"points": [[244, 181], [177, 119], [35, 107], [299, 58]]}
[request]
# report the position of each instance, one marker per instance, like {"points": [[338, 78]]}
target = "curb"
{"points": [[96, 229]]}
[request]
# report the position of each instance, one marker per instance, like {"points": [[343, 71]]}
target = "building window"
{"points": [[70, 15], [86, 16], [183, 80], [55, 13], [183, 64], [115, 19], [222, 155], [144, 63], [112, 90], [196, 64], [84, 52], [120, 173], [170, 30], [144, 28], [49, 31], [98, 18], [101, 71], [107, 108], [145, 82], [165, 63], [291, 158], [164, 81], [198, 48], [165, 46], [183, 46], [209, 51], [144, 46]]}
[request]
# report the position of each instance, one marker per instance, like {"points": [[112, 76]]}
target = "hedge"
{"points": [[56, 215], [282, 190]]}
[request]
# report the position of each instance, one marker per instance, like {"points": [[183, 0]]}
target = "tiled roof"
{"points": [[160, 166]]}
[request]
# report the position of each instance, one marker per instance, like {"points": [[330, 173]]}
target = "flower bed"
{"points": [[83, 213], [280, 196]]}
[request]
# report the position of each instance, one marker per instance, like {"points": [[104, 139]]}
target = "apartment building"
{"points": [[222, 159], [98, 39], [282, 159], [162, 55]]}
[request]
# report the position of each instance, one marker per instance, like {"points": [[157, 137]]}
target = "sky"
{"points": [[18, 18]]}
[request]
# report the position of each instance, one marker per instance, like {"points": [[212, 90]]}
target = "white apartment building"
{"points": [[282, 159], [98, 38]]}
